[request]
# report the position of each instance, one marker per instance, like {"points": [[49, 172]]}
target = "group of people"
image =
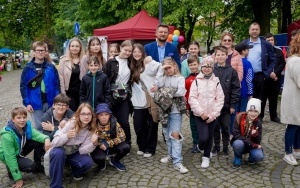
{"points": [[80, 111]]}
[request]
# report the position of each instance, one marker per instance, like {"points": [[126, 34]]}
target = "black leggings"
{"points": [[206, 135]]}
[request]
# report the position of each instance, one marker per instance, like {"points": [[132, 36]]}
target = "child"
{"points": [[94, 49], [18, 139], [231, 87], [206, 100], [145, 112], [110, 139], [39, 84], [246, 84], [193, 64], [113, 50], [56, 117], [173, 115], [118, 73], [194, 49], [247, 134], [95, 87], [72, 145]]}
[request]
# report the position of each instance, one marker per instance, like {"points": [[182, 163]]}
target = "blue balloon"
{"points": [[175, 43], [175, 38]]}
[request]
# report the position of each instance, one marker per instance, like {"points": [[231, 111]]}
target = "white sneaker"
{"points": [[146, 155], [140, 152], [181, 168], [296, 155], [205, 162], [166, 159], [289, 158]]}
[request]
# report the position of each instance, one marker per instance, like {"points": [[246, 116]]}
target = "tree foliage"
{"points": [[53, 20]]}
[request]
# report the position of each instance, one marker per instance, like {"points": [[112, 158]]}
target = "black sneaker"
{"points": [[195, 149], [117, 164], [225, 153], [215, 152], [102, 167]]}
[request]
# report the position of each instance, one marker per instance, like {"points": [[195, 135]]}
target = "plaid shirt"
{"points": [[104, 134]]}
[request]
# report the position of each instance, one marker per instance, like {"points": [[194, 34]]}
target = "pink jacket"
{"points": [[64, 72], [237, 64], [82, 141], [206, 96]]}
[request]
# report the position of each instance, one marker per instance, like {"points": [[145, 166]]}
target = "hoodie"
{"points": [[12, 142], [48, 116], [95, 89]]}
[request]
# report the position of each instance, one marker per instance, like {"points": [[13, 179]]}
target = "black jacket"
{"points": [[280, 62], [95, 89], [230, 84], [111, 69]]}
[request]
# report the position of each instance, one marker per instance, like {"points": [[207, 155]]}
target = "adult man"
{"points": [[262, 59], [39, 84], [272, 85], [160, 48]]}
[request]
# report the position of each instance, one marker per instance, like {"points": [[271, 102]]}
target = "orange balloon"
{"points": [[170, 37]]}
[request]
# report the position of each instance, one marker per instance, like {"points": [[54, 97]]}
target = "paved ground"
{"points": [[272, 172]]}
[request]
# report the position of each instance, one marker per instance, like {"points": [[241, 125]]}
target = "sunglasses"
{"points": [[227, 40]]}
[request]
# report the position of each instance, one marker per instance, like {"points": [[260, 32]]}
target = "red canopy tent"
{"points": [[139, 27]]}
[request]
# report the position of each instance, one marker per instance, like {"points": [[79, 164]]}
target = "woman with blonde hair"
{"points": [[69, 71]]}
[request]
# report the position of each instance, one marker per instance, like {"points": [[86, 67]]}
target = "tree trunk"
{"points": [[261, 10], [286, 15]]}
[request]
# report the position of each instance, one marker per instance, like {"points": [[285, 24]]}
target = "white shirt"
{"points": [[124, 71]]}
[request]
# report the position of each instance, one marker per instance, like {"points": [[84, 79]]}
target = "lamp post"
{"points": [[160, 11]]}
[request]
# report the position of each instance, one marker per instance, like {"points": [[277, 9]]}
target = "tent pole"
{"points": [[160, 11]]}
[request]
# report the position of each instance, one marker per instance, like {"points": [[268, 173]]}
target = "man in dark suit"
{"points": [[272, 86], [160, 48], [262, 59]]}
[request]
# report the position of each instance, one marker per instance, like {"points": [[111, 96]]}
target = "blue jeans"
{"points": [[37, 115], [239, 149], [292, 138], [174, 145], [80, 163]]}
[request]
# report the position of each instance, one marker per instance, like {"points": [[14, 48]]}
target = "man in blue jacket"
{"points": [[160, 48], [39, 84], [261, 57]]}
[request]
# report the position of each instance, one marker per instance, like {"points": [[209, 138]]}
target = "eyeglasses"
{"points": [[40, 51], [61, 105], [227, 40], [85, 114]]}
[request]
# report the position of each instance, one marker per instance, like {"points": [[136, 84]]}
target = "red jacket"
{"points": [[188, 83]]}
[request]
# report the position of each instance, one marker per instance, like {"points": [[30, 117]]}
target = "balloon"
{"points": [[176, 32], [180, 38], [175, 38], [175, 43], [170, 37]]}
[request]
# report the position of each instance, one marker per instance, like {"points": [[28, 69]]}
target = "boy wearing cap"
{"points": [[247, 134], [111, 139], [246, 83]]}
